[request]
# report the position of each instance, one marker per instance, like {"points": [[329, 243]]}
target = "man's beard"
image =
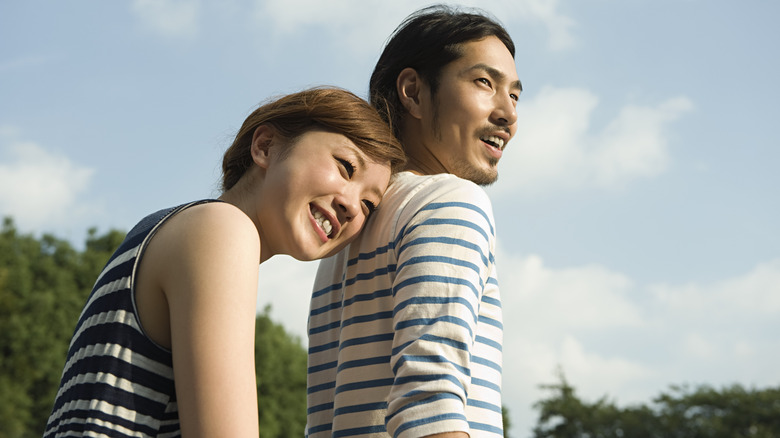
{"points": [[462, 168], [480, 176]]}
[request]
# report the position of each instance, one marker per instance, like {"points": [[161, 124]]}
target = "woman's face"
{"points": [[317, 195]]}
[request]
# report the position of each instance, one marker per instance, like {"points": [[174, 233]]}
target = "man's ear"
{"points": [[262, 140], [409, 87]]}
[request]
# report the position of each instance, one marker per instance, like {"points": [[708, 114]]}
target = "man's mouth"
{"points": [[492, 140], [323, 222]]}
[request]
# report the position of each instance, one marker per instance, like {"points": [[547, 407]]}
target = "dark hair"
{"points": [[426, 41], [333, 109]]}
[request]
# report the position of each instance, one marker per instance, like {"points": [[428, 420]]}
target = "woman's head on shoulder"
{"points": [[328, 108], [311, 167]]}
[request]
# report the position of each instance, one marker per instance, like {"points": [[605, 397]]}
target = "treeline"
{"points": [[680, 412], [44, 283]]}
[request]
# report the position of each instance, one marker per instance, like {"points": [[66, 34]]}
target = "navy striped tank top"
{"points": [[116, 381]]}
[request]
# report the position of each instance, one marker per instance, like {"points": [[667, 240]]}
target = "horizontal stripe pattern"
{"points": [[116, 381], [405, 325]]}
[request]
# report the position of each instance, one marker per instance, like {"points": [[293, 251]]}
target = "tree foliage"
{"points": [[681, 412], [280, 361], [44, 283]]}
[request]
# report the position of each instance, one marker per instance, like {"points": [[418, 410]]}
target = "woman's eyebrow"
{"points": [[360, 160], [362, 164]]}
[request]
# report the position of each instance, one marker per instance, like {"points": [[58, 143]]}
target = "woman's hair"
{"points": [[328, 108], [426, 41]]}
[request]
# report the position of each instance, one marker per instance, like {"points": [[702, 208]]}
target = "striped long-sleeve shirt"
{"points": [[405, 325]]}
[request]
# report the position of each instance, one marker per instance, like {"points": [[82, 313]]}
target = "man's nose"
{"points": [[505, 111]]}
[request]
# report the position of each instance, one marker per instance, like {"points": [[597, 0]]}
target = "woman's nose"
{"points": [[348, 205]]}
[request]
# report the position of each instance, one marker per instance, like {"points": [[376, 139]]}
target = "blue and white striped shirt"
{"points": [[405, 326]]}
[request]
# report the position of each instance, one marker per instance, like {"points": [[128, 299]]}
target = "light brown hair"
{"points": [[293, 115]]}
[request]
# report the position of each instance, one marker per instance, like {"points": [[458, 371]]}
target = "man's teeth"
{"points": [[495, 141], [323, 222]]}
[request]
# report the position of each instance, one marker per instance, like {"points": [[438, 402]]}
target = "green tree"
{"points": [[280, 361], [43, 285], [564, 415], [710, 413], [505, 420], [683, 412]]}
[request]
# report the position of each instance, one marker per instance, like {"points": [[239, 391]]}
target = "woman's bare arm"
{"points": [[211, 259]]}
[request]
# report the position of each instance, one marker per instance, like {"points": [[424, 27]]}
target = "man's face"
{"points": [[471, 118]]}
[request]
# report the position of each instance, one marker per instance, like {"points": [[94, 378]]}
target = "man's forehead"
{"points": [[489, 51]]}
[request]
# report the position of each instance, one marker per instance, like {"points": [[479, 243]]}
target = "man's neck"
{"points": [[421, 168], [420, 159]]}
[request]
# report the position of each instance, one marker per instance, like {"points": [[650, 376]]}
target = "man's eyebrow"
{"points": [[498, 74]]}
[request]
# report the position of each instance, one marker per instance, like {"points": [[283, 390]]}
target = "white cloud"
{"points": [[558, 148], [595, 373], [26, 62], [586, 297], [365, 25], [285, 284], [745, 297], [559, 26], [171, 18], [290, 16], [39, 188], [614, 337], [358, 25], [635, 144], [699, 346]]}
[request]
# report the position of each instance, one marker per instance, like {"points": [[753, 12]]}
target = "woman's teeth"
{"points": [[323, 222]]}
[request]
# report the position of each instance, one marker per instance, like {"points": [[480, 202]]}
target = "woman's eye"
{"points": [[347, 166], [370, 206]]}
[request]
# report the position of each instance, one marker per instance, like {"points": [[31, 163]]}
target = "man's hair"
{"points": [[293, 115], [426, 41]]}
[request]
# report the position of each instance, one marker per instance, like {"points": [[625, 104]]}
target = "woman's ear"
{"points": [[409, 86], [262, 140]]}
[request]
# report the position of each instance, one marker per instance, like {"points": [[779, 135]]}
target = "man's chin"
{"points": [[479, 176]]}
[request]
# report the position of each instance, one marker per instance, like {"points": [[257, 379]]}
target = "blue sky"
{"points": [[637, 207]]}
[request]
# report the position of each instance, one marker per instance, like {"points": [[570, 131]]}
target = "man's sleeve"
{"points": [[445, 258]]}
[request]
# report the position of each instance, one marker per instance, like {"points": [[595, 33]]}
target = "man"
{"points": [[405, 324]]}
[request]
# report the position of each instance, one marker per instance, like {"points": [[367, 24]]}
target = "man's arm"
{"points": [[445, 257]]}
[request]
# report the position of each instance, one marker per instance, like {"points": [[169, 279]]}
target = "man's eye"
{"points": [[370, 206], [347, 166], [484, 81]]}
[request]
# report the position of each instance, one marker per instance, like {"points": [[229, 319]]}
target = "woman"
{"points": [[165, 344]]}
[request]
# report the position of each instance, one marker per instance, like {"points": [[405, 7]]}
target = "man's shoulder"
{"points": [[435, 188]]}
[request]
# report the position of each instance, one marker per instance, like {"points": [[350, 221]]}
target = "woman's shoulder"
{"points": [[217, 220], [205, 228]]}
